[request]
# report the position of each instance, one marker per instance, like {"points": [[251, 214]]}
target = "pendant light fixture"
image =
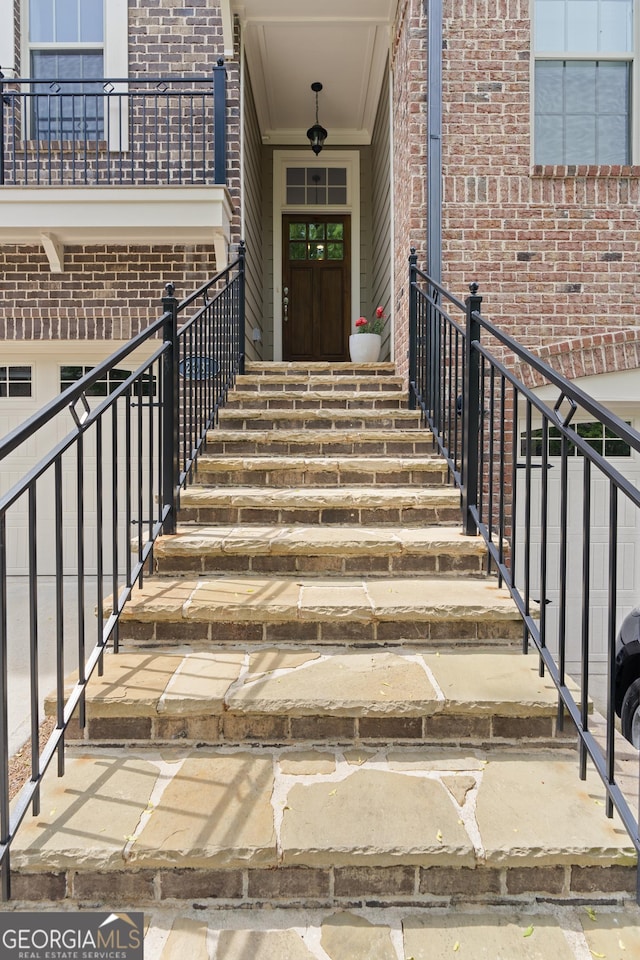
{"points": [[317, 133]]}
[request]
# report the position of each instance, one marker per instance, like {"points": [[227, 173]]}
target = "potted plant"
{"points": [[364, 344]]}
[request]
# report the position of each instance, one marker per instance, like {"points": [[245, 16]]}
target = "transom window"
{"points": [[66, 43], [316, 186], [584, 57], [596, 435], [316, 241], [15, 381]]}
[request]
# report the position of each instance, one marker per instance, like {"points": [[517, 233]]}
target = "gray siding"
{"points": [[380, 272], [366, 239]]}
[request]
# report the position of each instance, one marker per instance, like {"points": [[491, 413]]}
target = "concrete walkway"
{"points": [[506, 933]]}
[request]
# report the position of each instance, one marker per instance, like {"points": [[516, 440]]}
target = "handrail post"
{"points": [[413, 326], [219, 123], [472, 413], [242, 259], [170, 394]]}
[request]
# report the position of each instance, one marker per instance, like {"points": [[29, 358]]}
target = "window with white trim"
{"points": [[583, 76], [316, 186], [595, 434], [15, 381], [66, 42], [70, 373]]}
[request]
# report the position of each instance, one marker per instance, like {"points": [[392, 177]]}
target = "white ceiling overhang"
{"points": [[290, 44], [58, 216]]}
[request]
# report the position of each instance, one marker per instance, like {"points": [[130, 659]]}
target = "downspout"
{"points": [[434, 140]]}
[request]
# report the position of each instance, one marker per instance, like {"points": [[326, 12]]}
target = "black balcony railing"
{"points": [[59, 132], [537, 482], [88, 514]]}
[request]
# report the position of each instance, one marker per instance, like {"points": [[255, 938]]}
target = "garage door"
{"points": [[47, 377], [628, 594]]}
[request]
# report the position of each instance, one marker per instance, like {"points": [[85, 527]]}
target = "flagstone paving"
{"points": [[258, 598], [591, 932], [310, 681], [538, 933], [212, 809]]}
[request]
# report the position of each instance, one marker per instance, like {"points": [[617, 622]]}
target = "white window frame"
{"points": [[7, 38], [115, 52], [6, 382], [632, 57]]}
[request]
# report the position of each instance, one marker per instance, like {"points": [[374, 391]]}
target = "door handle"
{"points": [[285, 304]]}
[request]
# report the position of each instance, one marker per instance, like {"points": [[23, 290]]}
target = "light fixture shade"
{"points": [[317, 136], [317, 133]]}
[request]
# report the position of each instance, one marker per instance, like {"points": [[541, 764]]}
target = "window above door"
{"points": [[316, 186], [328, 184], [584, 77]]}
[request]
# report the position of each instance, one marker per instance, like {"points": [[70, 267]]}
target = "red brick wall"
{"points": [[104, 293], [167, 39], [555, 250], [112, 292], [409, 56]]}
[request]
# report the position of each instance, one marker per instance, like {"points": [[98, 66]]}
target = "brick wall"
{"points": [[167, 38], [555, 250], [104, 293], [107, 291], [409, 56]]}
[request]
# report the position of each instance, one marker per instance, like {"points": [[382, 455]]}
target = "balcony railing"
{"points": [[536, 478], [59, 132], [113, 480]]}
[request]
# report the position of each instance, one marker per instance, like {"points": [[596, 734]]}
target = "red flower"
{"points": [[379, 313], [361, 322]]}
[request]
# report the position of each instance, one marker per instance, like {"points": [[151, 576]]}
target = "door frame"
{"points": [[342, 158]]}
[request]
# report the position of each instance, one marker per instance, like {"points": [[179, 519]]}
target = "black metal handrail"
{"points": [[113, 480], [121, 131], [501, 440]]}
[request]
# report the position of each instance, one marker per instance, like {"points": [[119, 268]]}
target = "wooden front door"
{"points": [[316, 286]]}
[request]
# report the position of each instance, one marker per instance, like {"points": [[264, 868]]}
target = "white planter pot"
{"points": [[364, 347]]}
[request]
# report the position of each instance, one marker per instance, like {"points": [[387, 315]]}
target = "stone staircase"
{"points": [[322, 709]]}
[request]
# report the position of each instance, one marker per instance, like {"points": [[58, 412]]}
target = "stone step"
{"points": [[314, 400], [309, 369], [523, 931], [321, 550], [321, 442], [313, 696], [261, 826], [325, 383], [335, 611], [328, 505], [314, 419], [320, 471]]}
